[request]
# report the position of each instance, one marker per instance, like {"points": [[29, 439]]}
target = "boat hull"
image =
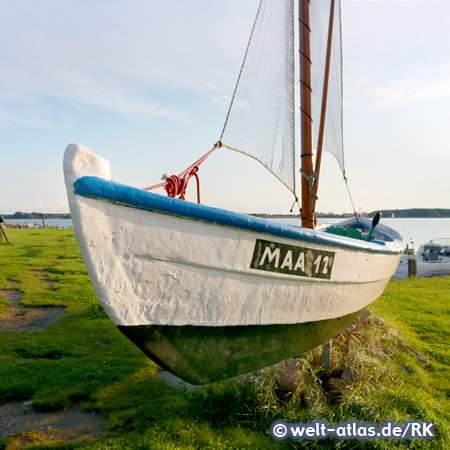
{"points": [[150, 268], [191, 284], [423, 269], [201, 355]]}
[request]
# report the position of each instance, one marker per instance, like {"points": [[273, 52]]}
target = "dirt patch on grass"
{"points": [[19, 420], [23, 318]]}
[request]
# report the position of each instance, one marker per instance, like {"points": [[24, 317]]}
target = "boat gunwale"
{"points": [[102, 189]]}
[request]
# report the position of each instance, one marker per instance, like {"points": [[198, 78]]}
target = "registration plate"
{"points": [[292, 260]]}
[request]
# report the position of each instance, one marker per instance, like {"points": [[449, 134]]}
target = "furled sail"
{"points": [[333, 137], [261, 119]]}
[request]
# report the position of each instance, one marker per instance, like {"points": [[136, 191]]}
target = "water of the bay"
{"points": [[421, 230], [54, 223]]}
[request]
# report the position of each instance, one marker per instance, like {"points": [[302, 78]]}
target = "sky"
{"points": [[147, 85]]}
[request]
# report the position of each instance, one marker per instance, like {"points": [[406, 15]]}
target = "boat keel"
{"points": [[201, 354]]}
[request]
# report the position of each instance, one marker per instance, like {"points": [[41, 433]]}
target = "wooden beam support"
{"points": [[323, 113]]}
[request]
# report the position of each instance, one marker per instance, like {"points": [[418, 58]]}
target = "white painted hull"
{"points": [[152, 267]]}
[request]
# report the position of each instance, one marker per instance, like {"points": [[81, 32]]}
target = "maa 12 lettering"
{"points": [[292, 260]]}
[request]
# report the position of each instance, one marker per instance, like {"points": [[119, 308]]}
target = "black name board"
{"points": [[292, 260]]}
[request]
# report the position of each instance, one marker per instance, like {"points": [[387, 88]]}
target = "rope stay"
{"points": [[350, 196]]}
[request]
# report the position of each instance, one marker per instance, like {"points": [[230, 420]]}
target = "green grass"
{"points": [[85, 358], [420, 310], [3, 303]]}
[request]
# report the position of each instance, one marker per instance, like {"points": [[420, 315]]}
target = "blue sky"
{"points": [[147, 84]]}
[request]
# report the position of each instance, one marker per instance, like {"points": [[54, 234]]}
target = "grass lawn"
{"points": [[84, 358]]}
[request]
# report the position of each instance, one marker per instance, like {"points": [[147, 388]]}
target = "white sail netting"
{"points": [[319, 20], [261, 119]]}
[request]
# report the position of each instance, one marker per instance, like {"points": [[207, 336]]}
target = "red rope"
{"points": [[176, 186]]}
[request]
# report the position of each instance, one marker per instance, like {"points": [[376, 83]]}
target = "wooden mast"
{"points": [[310, 177], [323, 112], [306, 114]]}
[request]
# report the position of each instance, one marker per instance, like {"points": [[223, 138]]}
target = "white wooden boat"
{"points": [[209, 293], [431, 260]]}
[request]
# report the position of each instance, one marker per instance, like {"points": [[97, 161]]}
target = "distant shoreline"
{"points": [[413, 213], [437, 213]]}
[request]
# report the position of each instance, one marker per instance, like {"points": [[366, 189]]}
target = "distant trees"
{"points": [[34, 215], [415, 212]]}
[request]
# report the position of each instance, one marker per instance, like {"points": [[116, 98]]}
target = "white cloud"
{"points": [[26, 117], [131, 58], [410, 90], [411, 86]]}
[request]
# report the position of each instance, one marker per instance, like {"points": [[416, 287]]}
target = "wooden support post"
{"points": [[412, 267], [327, 348], [4, 234], [3, 221]]}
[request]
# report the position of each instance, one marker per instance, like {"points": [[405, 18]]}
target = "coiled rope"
{"points": [[176, 185]]}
